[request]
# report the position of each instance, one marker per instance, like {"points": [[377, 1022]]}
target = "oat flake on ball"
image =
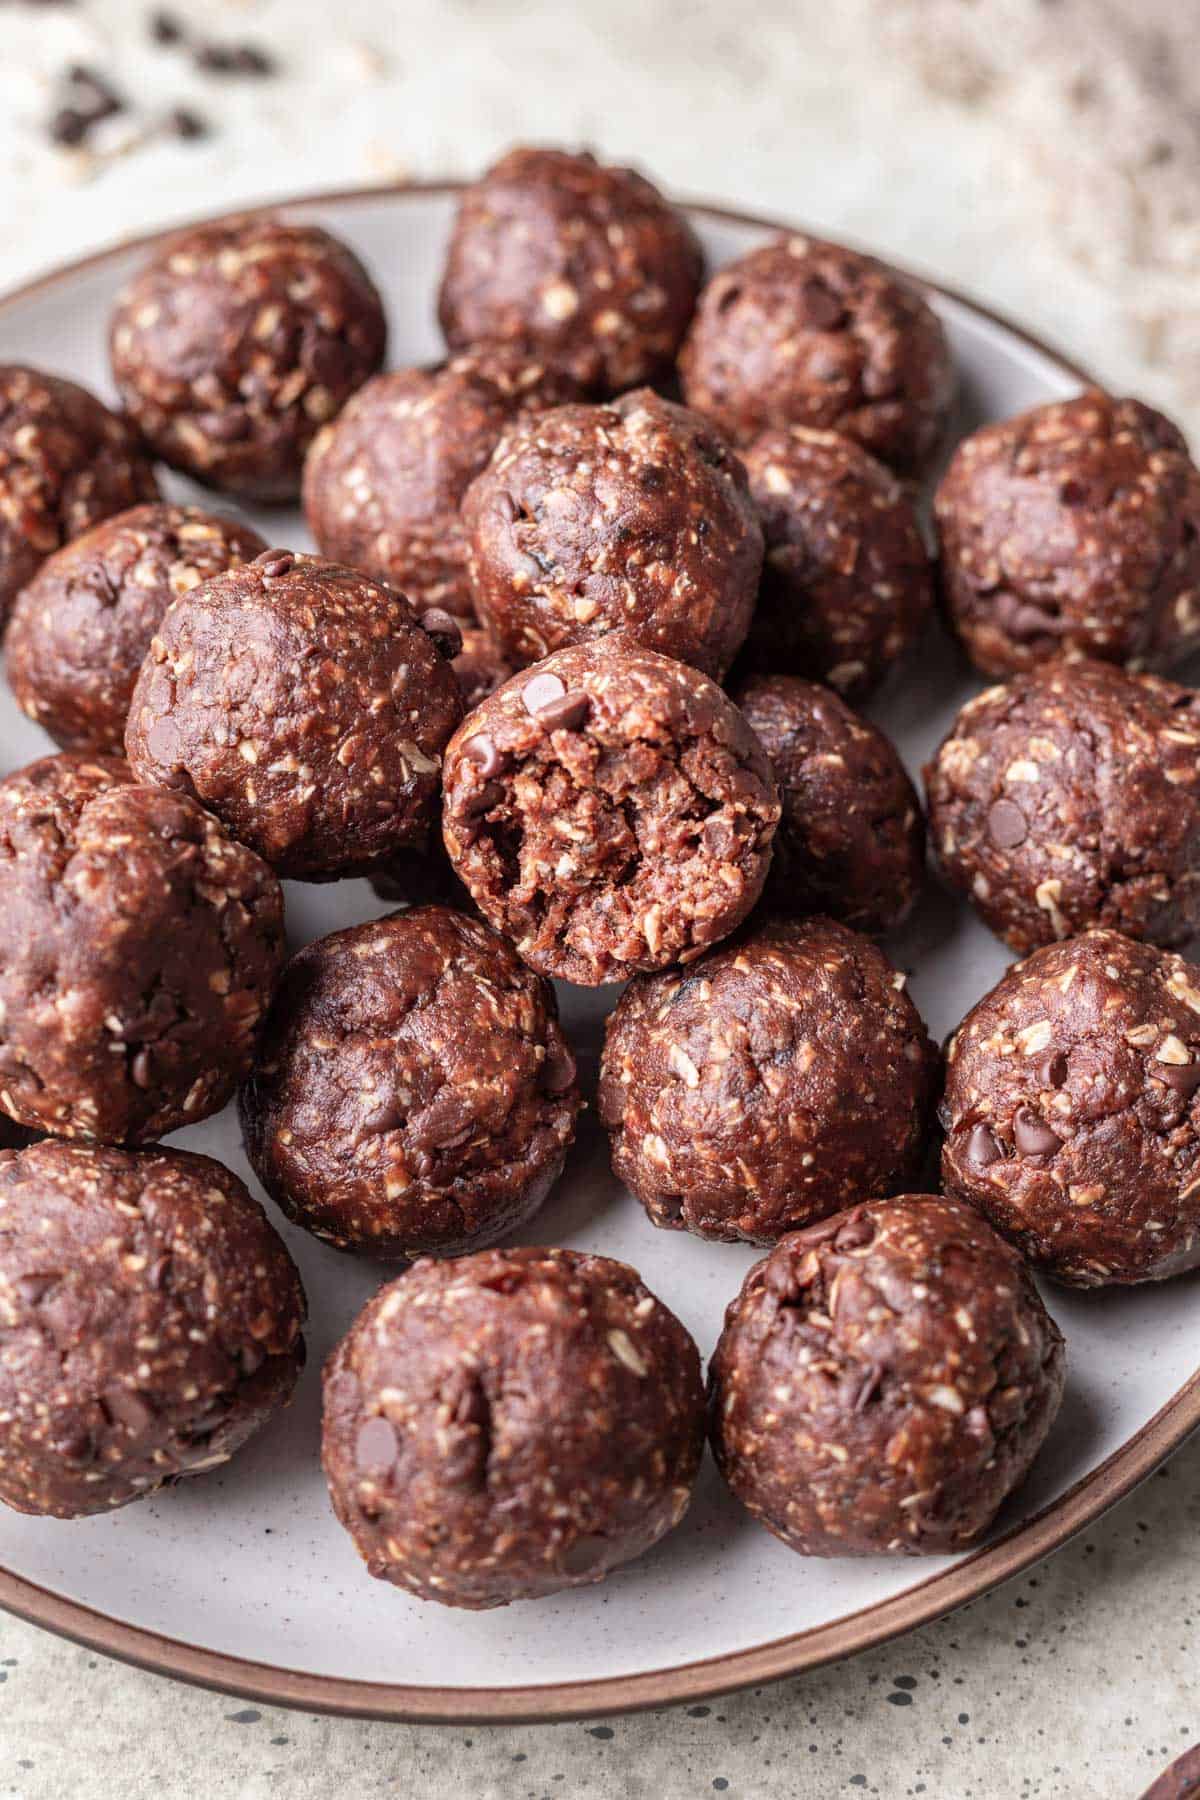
{"points": [[609, 811], [509, 1424]]}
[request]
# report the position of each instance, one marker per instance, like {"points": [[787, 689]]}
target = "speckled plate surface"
{"points": [[245, 1581]]}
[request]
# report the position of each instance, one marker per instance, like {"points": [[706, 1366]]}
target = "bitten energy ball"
{"points": [[1072, 1110], [80, 630], [884, 1381], [413, 1091], [384, 483], [150, 1323], [66, 462], [583, 263], [1073, 530], [1071, 798], [139, 946], [846, 585], [802, 332], [511, 1424], [609, 811], [633, 518], [851, 842], [302, 703], [783, 1076], [237, 342]]}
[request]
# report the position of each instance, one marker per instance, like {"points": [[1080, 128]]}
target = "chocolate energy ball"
{"points": [[1072, 1110], [884, 1381], [583, 263], [237, 341], [783, 1076], [80, 630], [1073, 530], [139, 947], [66, 462], [511, 1424], [801, 332], [609, 811], [1071, 798], [303, 704], [479, 666], [851, 842], [633, 518], [846, 585], [150, 1323], [413, 1092], [384, 483]]}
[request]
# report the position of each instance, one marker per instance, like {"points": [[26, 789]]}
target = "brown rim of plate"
{"points": [[1015, 1550]]}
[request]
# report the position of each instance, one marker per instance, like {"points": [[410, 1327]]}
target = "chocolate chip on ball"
{"points": [[779, 1078], [609, 811], [847, 585], [1072, 1110], [414, 1091], [801, 332], [884, 1381], [139, 947], [237, 341], [1073, 530], [509, 1424], [384, 482], [303, 704], [150, 1323], [633, 518], [851, 842], [81, 629], [66, 462], [580, 262], [1071, 798]]}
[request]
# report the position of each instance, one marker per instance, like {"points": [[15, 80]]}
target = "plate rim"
{"points": [[1016, 1550]]}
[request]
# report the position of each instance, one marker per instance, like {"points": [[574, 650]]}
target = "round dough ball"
{"points": [[1071, 798], [609, 811], [81, 629], [1072, 530], [633, 518], [66, 462], [582, 263], [851, 842], [511, 1424], [413, 1091], [884, 1381], [384, 483], [801, 332], [302, 703], [150, 1323], [237, 341], [783, 1076], [139, 948], [1072, 1110], [847, 585]]}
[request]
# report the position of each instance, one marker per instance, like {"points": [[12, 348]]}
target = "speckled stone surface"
{"points": [[1079, 1681]]}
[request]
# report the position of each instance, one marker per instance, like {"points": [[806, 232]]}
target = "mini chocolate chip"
{"points": [[1072, 492], [215, 59], [166, 29], [1032, 1136], [1183, 1077], [482, 751], [376, 1445], [822, 308], [982, 1148], [541, 691], [187, 124], [482, 800], [1006, 824], [445, 631], [129, 1409], [558, 1070], [1053, 1070], [250, 60], [141, 1070], [275, 562], [565, 714], [68, 126]]}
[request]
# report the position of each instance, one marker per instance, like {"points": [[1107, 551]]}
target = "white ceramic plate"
{"points": [[244, 1580]]}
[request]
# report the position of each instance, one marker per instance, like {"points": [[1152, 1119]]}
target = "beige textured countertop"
{"points": [[1043, 156]]}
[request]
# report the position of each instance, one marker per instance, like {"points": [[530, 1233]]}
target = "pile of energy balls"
{"points": [[572, 681]]}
